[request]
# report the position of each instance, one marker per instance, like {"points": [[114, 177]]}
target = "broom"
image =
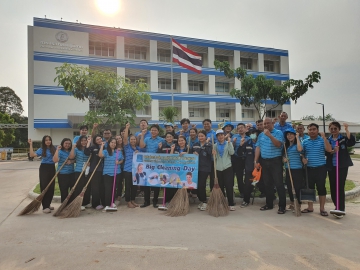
{"points": [[64, 203], [179, 205], [35, 204], [74, 208], [217, 204], [296, 202]]}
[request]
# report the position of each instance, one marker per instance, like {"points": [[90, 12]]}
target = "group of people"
{"points": [[237, 151]]}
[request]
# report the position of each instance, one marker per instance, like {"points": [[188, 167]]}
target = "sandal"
{"points": [[232, 208], [281, 211], [265, 207], [324, 213], [306, 211]]}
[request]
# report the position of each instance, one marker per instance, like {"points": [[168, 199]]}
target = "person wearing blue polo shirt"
{"points": [[66, 178], [282, 125], [227, 128], [151, 145], [269, 145], [130, 149], [210, 134], [46, 170], [143, 125], [185, 131], [314, 159], [300, 130], [193, 136], [293, 149], [238, 159], [83, 132], [169, 127]]}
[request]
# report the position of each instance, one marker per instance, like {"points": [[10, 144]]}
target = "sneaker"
{"points": [[117, 203], [232, 208], [199, 205], [89, 205], [113, 205], [99, 207], [51, 208], [203, 207], [338, 216], [244, 204], [82, 208], [290, 207], [47, 211]]}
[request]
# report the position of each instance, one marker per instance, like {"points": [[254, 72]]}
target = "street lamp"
{"points": [[323, 114]]}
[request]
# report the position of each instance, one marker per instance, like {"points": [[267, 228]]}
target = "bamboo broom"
{"points": [[296, 202], [179, 205], [64, 203], [35, 204], [217, 204], [74, 208]]}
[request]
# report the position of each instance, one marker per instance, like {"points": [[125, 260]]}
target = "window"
{"points": [[143, 111], [223, 113], [196, 86], [222, 58], [221, 87], [102, 49], [246, 63], [196, 112], [269, 66], [163, 55], [247, 114], [166, 84], [76, 133], [271, 114], [135, 52]]}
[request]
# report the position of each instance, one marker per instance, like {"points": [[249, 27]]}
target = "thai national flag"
{"points": [[186, 58]]}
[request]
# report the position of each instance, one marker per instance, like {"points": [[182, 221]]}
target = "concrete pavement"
{"points": [[147, 239]]}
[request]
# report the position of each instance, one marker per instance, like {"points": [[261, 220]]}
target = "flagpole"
{"points": [[172, 92]]}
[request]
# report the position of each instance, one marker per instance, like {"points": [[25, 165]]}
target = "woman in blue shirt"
{"points": [[97, 184], [112, 158], [77, 152], [130, 149], [46, 170], [193, 136], [294, 149], [65, 177], [120, 180]]}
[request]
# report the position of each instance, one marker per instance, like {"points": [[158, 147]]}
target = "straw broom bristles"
{"points": [[74, 208], [179, 205], [217, 204], [297, 207], [35, 204], [64, 203]]}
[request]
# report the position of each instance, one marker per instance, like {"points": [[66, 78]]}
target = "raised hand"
{"points": [[29, 141], [322, 134], [267, 132], [95, 125], [160, 145], [346, 126], [59, 147], [193, 125], [127, 126]]}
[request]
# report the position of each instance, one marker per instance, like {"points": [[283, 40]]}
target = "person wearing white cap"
{"points": [[223, 150]]}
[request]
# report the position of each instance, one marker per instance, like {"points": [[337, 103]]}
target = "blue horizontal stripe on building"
{"points": [[97, 61], [47, 23], [55, 90], [51, 123]]}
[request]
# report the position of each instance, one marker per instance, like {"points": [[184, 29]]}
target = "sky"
{"points": [[321, 35]]}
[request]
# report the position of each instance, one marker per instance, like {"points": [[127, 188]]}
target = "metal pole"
{"points": [[323, 116], [172, 79]]}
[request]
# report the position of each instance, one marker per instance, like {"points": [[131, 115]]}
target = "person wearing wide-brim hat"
{"points": [[294, 148], [169, 127], [227, 128]]}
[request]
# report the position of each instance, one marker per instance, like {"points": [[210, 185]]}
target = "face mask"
{"points": [[253, 136]]}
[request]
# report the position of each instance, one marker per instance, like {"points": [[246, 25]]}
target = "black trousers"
{"points": [[238, 165], [248, 187], [147, 191], [317, 176], [342, 178], [46, 173], [170, 193], [226, 181], [130, 189], [79, 187], [66, 182], [119, 184], [97, 189], [109, 187], [201, 190], [212, 176], [297, 177], [272, 172]]}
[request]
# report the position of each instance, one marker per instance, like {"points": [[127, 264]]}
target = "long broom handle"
{"points": [[337, 177], [52, 180], [114, 183], [288, 163], [97, 165], [214, 157], [77, 181]]}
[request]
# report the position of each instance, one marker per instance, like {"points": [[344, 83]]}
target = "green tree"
{"points": [[115, 99], [6, 134], [9, 101], [258, 91], [169, 114], [328, 117], [21, 134]]}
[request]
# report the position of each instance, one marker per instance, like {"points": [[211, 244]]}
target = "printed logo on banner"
{"points": [[165, 170], [61, 37]]}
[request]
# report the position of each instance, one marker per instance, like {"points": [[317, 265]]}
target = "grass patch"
{"points": [[355, 156]]}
